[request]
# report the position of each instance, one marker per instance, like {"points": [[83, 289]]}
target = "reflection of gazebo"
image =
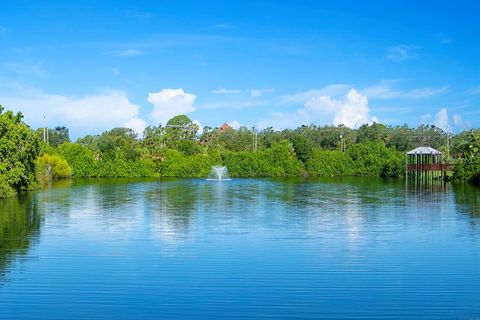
{"points": [[425, 163]]}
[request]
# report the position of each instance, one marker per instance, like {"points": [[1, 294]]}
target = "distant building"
{"points": [[224, 127]]}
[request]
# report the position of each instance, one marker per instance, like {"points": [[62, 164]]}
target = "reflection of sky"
{"points": [[194, 248]]}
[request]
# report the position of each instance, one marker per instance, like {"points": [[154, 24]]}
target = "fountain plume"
{"points": [[219, 173]]}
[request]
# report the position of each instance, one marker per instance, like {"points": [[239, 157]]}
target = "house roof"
{"points": [[424, 150], [225, 126]]}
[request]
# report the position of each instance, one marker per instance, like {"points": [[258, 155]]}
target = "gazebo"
{"points": [[424, 163]]}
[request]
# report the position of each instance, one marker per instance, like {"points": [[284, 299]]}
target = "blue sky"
{"points": [[94, 65]]}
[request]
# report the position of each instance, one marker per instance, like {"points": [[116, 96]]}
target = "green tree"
{"points": [[180, 128], [80, 158], [119, 140], [468, 167], [19, 148], [375, 159], [401, 138], [373, 132], [303, 148], [58, 135]]}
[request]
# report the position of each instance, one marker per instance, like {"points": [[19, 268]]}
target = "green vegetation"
{"points": [[178, 150], [19, 149], [467, 166], [51, 167], [19, 226]]}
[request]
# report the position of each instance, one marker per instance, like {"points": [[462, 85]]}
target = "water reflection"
{"points": [[19, 228], [247, 247], [467, 199], [170, 208]]}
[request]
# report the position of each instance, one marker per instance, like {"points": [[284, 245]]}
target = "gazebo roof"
{"points": [[424, 150]]}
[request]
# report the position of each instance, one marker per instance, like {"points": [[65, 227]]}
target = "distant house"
{"points": [[224, 127]]}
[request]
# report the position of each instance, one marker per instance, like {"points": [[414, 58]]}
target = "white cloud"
{"points": [[254, 93], [331, 90], [235, 124], [384, 91], [402, 52], [441, 120], [350, 110], [137, 124], [236, 104], [88, 114], [129, 53], [225, 91], [460, 123], [200, 127], [168, 103]]}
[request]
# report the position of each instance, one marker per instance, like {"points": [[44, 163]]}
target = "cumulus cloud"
{"points": [[137, 124], [460, 123], [200, 127], [168, 103], [441, 120], [350, 110], [88, 114], [235, 124]]}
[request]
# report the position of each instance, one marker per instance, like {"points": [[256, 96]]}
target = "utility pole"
{"points": [[255, 139], [44, 133], [45, 130], [448, 146], [342, 146]]}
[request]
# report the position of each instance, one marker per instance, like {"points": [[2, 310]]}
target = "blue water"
{"points": [[251, 249]]}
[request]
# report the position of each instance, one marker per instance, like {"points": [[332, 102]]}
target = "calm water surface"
{"points": [[270, 249]]}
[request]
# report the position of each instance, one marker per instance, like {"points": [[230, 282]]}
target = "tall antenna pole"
{"points": [[448, 146], [255, 139], [44, 130]]}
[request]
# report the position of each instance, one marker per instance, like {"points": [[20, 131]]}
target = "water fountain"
{"points": [[219, 173]]}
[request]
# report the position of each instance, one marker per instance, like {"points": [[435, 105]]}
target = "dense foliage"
{"points": [[50, 167], [467, 167], [19, 149], [178, 150]]}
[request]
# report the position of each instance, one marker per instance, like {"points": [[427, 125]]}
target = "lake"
{"points": [[246, 248]]}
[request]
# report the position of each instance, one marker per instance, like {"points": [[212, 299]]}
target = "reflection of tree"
{"points": [[107, 193], [467, 199], [173, 205], [19, 227]]}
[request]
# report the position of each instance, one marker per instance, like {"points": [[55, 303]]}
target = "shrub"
{"points": [[51, 167], [329, 163], [80, 159]]}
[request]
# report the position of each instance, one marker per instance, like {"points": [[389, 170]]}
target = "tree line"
{"points": [[179, 150]]}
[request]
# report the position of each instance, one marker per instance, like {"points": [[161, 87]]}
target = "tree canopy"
{"points": [[19, 149]]}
